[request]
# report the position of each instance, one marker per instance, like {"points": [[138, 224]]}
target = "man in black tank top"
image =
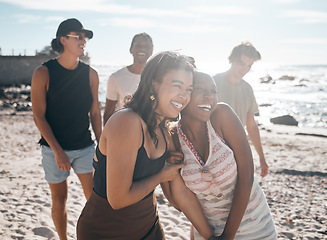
{"points": [[64, 98]]}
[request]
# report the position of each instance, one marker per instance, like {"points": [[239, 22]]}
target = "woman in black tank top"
{"points": [[131, 156]]}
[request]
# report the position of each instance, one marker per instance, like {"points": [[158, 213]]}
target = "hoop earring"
{"points": [[152, 97]]}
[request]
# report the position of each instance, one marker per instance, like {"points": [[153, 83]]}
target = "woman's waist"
{"points": [[145, 206]]}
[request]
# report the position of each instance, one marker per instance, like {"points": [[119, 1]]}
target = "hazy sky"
{"points": [[284, 31]]}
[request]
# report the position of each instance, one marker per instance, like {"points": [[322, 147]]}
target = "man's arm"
{"points": [[109, 110], [95, 113], [254, 134], [39, 86]]}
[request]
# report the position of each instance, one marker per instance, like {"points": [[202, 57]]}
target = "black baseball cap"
{"points": [[72, 25]]}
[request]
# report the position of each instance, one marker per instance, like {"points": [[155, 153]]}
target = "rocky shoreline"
{"points": [[15, 98]]}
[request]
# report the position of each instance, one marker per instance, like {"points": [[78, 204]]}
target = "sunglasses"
{"points": [[79, 37], [170, 54], [176, 55], [214, 186]]}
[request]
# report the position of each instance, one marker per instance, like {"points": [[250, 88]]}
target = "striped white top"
{"points": [[214, 182]]}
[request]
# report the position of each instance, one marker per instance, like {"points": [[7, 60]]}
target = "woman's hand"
{"points": [[175, 157], [169, 171]]}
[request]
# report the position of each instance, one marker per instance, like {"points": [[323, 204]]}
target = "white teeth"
{"points": [[205, 107], [177, 105], [141, 54]]}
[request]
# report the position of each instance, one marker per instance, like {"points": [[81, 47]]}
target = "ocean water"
{"points": [[302, 93], [296, 90]]}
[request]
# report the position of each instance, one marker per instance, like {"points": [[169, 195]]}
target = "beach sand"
{"points": [[295, 188]]}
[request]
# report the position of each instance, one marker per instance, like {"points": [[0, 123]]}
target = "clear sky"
{"points": [[284, 31]]}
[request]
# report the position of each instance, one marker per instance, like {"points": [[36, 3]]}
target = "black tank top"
{"points": [[144, 167], [69, 101]]}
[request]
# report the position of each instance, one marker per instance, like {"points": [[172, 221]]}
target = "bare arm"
{"points": [[40, 82], [165, 186], [225, 122], [187, 201], [95, 113], [175, 156], [109, 110], [123, 138], [181, 197], [254, 134]]}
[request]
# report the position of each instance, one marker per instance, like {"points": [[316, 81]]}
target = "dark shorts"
{"points": [[138, 221]]}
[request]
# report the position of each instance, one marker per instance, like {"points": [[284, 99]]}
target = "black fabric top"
{"points": [[69, 100], [144, 167]]}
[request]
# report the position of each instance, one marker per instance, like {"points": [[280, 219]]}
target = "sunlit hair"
{"points": [[245, 48], [144, 35], [154, 71], [191, 60], [57, 45]]}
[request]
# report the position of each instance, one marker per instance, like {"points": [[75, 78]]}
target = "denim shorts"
{"points": [[80, 160]]}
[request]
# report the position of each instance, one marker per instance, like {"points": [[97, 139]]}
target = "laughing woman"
{"points": [[130, 158], [216, 189]]}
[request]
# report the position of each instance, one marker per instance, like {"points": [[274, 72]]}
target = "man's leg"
{"points": [[86, 180], [59, 211], [82, 165]]}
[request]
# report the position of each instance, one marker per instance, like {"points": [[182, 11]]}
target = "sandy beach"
{"points": [[295, 187]]}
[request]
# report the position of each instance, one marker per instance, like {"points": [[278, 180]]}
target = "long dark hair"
{"points": [[145, 100]]}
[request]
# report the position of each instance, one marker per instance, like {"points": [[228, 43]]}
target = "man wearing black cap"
{"points": [[64, 99]]}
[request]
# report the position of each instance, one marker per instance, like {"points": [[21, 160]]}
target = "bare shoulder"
{"points": [[223, 117], [126, 114], [124, 128], [93, 71], [41, 71], [123, 121], [40, 76], [222, 110], [94, 78]]}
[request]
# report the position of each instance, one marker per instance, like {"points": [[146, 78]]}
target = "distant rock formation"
{"points": [[15, 99], [287, 77], [265, 105], [267, 79], [285, 120]]}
